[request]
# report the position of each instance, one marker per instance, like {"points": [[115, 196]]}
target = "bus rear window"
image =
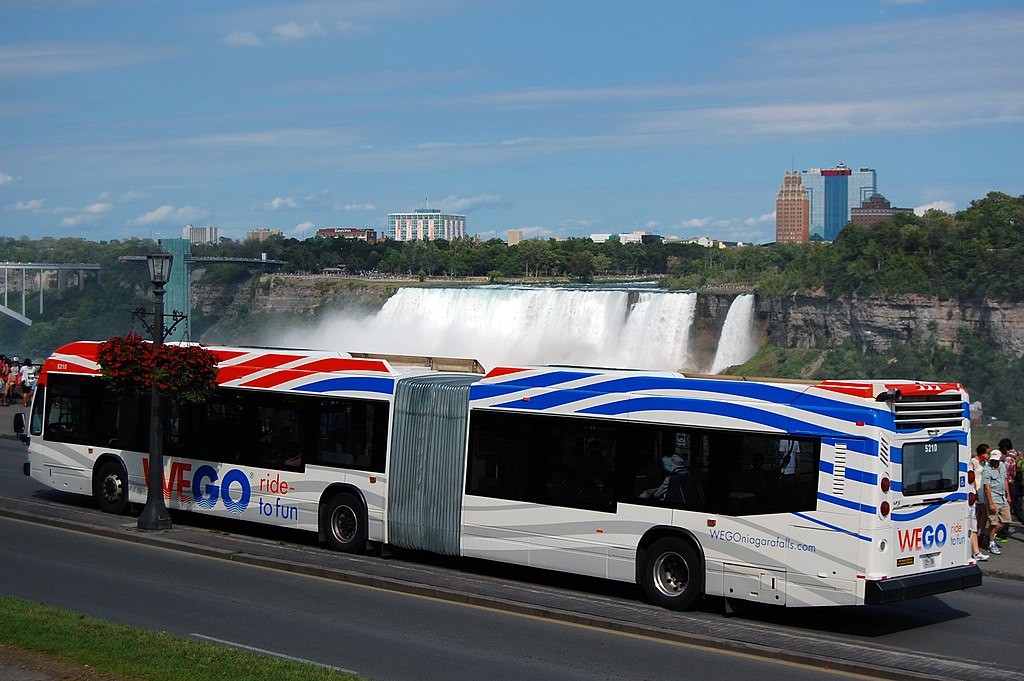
{"points": [[930, 467]]}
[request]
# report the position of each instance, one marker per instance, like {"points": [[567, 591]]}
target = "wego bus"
{"points": [[792, 493]]}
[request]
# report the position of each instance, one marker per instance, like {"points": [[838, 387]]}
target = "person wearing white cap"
{"points": [[997, 496]]}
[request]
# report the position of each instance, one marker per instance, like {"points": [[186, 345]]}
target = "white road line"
{"points": [[271, 653]]}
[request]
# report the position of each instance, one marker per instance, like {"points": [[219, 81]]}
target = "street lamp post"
{"points": [[155, 516]]}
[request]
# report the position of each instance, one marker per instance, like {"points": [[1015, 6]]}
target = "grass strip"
{"points": [[134, 653]]}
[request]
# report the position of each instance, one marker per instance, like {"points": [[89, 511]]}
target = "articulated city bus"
{"points": [[783, 492]]}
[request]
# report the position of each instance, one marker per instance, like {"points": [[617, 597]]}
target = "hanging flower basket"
{"points": [[127, 364], [186, 373]]}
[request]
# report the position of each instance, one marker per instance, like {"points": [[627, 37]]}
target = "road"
{"points": [[373, 632], [389, 635]]}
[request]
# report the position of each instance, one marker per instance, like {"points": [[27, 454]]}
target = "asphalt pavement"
{"points": [[458, 582]]}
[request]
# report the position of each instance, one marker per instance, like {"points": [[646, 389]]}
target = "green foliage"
{"points": [[225, 274], [130, 653]]}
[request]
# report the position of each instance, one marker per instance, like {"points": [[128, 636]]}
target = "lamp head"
{"points": [[160, 267]]}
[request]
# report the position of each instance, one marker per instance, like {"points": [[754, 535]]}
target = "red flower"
{"points": [[187, 373]]}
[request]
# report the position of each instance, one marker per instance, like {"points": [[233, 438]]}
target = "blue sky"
{"points": [[123, 118]]}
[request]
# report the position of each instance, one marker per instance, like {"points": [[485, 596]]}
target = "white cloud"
{"points": [[304, 227], [41, 59], [281, 202], [127, 197], [293, 31], [170, 214], [4, 178], [944, 206], [469, 203], [760, 220], [76, 220], [696, 222], [242, 39], [98, 208], [33, 204], [350, 27], [360, 206]]}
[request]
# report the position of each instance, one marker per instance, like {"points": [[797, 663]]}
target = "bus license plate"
{"points": [[928, 560]]}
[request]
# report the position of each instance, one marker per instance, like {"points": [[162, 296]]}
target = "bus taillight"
{"points": [[884, 508], [885, 484]]}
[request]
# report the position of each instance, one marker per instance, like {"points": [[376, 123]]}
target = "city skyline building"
{"points": [[792, 211], [834, 192], [199, 235], [426, 224], [360, 234], [262, 234], [875, 209]]}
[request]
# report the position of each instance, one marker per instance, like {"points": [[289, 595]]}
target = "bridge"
{"points": [[193, 260], [63, 273]]}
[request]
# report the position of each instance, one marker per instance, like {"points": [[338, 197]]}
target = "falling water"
{"points": [[519, 325], [738, 342]]}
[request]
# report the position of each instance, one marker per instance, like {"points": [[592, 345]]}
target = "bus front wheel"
{"points": [[345, 522], [110, 488], [671, 575]]}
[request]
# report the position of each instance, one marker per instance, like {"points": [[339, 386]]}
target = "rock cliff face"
{"points": [[877, 322], [794, 321]]}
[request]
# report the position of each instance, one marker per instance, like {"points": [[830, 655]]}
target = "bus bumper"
{"points": [[923, 584]]}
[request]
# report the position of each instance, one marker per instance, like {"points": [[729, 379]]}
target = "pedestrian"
{"points": [[28, 381], [5, 371], [980, 524], [997, 497], [1017, 491], [1009, 466], [13, 379]]}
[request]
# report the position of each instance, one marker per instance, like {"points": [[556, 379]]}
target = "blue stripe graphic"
{"points": [[921, 512], [738, 389], [367, 384], [743, 412], [861, 476], [846, 503], [832, 527]]}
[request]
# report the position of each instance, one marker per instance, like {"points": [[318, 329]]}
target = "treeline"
{"points": [[976, 253]]}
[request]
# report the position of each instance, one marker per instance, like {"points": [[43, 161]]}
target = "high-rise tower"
{"points": [[834, 193], [426, 224], [792, 211]]}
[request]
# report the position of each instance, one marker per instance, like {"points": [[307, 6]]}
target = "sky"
{"points": [[123, 119]]}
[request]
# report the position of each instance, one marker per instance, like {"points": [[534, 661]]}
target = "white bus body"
{"points": [[792, 493]]}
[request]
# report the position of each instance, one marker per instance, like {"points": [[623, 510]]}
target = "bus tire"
{"points": [[345, 523], [110, 488], [672, 575]]}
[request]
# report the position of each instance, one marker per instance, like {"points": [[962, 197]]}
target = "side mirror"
{"points": [[20, 428]]}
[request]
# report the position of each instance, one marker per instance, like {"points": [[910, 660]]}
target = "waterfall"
{"points": [[738, 342], [523, 325]]}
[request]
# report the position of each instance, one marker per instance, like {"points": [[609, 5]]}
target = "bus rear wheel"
{"points": [[110, 488], [671, 574], [345, 523]]}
